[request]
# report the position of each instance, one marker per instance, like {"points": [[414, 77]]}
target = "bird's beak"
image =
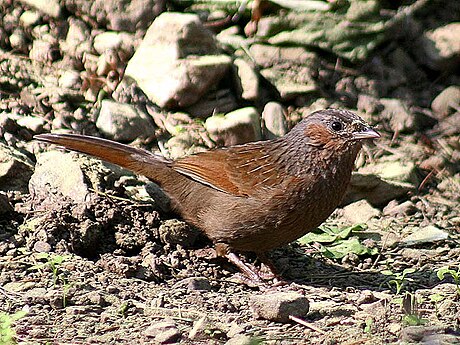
{"points": [[368, 133]]}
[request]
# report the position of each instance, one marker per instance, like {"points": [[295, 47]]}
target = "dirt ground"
{"points": [[117, 270]]}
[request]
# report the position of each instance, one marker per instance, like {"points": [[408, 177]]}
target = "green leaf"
{"points": [[327, 234], [344, 247]]}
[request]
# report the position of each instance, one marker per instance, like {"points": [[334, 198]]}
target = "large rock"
{"points": [[15, 170], [441, 47], [279, 306], [274, 120], [123, 122], [374, 189], [446, 102], [58, 175], [238, 127], [177, 61]]}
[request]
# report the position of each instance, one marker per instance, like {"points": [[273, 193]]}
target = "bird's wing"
{"points": [[244, 170]]}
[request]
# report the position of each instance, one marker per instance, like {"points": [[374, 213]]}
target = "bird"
{"points": [[251, 197]]}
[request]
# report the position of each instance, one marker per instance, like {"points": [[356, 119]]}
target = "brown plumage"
{"points": [[252, 197]]}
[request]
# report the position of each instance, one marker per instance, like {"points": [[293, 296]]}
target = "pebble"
{"points": [[279, 306], [163, 332], [274, 120], [360, 212], [446, 102], [237, 127], [123, 122]]}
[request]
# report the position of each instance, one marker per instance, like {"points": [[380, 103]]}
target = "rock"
{"points": [[395, 209], [360, 212], [446, 102], [214, 102], [242, 339], [70, 79], [247, 80], [271, 25], [15, 170], [181, 145], [278, 306], [427, 234], [450, 125], [401, 119], [194, 283], [32, 123], [123, 122], [428, 335], [393, 170], [18, 41], [374, 189], [111, 40], [5, 206], [163, 332], [42, 247], [43, 51], [238, 127], [30, 18], [177, 45], [174, 231], [77, 42], [291, 83], [58, 175], [274, 120], [269, 55], [441, 47], [49, 7]]}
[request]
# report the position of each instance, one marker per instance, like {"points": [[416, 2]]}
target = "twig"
{"points": [[306, 324]]}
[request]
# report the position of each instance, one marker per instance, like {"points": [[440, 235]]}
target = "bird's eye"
{"points": [[337, 126]]}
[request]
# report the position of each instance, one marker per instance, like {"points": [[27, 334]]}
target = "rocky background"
{"points": [[90, 254]]}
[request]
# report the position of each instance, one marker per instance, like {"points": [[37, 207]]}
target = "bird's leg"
{"points": [[273, 273], [224, 251]]}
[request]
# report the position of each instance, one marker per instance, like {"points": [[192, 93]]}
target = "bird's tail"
{"points": [[137, 160]]}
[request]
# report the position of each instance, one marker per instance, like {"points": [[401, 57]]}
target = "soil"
{"points": [[104, 272]]}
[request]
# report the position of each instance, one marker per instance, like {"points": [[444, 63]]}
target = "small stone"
{"points": [[360, 212], [30, 18], [49, 7], [18, 41], [111, 40], [427, 234], [163, 332], [194, 283], [242, 339], [42, 247], [279, 306], [123, 122], [394, 328], [174, 231], [398, 114], [447, 102], [70, 79], [32, 123], [274, 120], [374, 189], [393, 170], [43, 51], [441, 47], [15, 169], [427, 335], [395, 209], [247, 80], [366, 297], [57, 174], [238, 127]]}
